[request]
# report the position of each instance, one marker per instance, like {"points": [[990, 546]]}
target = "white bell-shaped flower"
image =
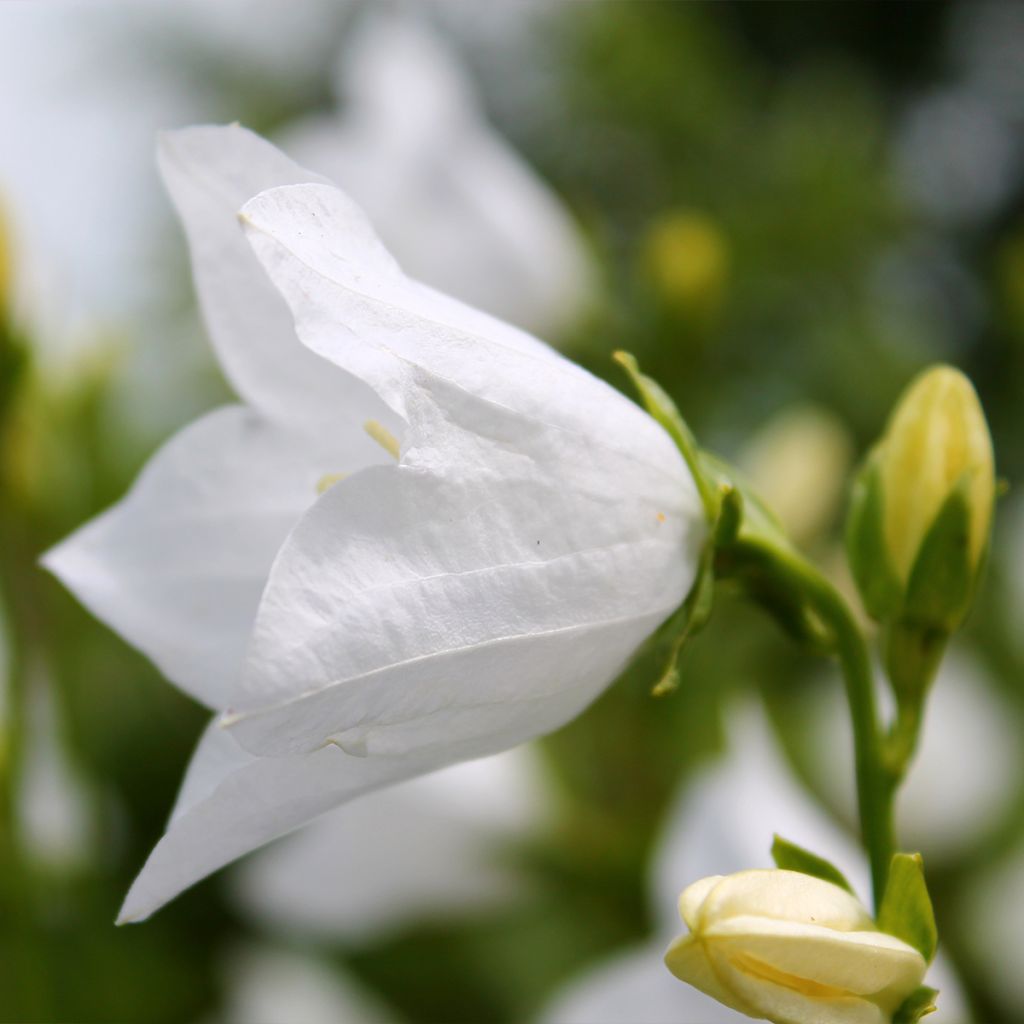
{"points": [[366, 612]]}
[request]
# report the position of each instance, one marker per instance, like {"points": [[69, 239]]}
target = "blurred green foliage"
{"points": [[770, 127]]}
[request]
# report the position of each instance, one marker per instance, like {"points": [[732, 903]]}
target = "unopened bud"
{"points": [[785, 946], [922, 508]]}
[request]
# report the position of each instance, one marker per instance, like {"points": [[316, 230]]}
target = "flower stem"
{"points": [[875, 787], [876, 784]]}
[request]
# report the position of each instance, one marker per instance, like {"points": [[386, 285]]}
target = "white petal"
{"points": [[353, 305], [860, 962], [210, 172], [231, 803], [690, 960], [424, 848], [456, 205], [634, 986], [691, 899], [783, 896], [534, 506], [408, 609], [773, 1001], [178, 565]]}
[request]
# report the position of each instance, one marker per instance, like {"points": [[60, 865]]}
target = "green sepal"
{"points": [[791, 857], [942, 580], [691, 617], [918, 1004], [866, 549], [730, 516], [663, 410], [906, 909]]}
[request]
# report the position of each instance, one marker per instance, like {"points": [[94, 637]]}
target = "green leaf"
{"points": [[906, 909], [918, 1004], [880, 587], [942, 579], [791, 857]]}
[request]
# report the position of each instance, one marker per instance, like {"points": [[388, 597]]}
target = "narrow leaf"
{"points": [[791, 857]]}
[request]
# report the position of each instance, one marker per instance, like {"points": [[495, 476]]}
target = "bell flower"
{"points": [[790, 948], [451, 199], [424, 537], [754, 781]]}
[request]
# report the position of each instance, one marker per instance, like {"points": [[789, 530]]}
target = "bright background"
{"points": [[778, 204]]}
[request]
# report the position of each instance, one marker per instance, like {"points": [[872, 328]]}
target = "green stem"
{"points": [[901, 742], [876, 787]]}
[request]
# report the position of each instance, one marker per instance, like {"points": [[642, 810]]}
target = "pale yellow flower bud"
{"points": [[787, 947], [921, 510], [936, 438]]}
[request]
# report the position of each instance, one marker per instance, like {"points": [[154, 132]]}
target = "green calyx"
{"points": [[745, 543], [906, 910], [918, 1004]]}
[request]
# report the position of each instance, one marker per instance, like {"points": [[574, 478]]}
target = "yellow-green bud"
{"points": [[937, 439], [922, 507]]}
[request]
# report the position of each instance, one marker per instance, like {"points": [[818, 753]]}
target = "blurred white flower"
{"points": [[370, 611], [721, 824], [269, 985], [52, 801], [947, 802], [455, 204], [799, 463], [990, 915], [426, 848]]}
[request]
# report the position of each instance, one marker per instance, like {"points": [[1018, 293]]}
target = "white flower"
{"points": [[269, 985], [991, 920], [450, 198], [427, 848], [366, 618], [756, 786]]}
